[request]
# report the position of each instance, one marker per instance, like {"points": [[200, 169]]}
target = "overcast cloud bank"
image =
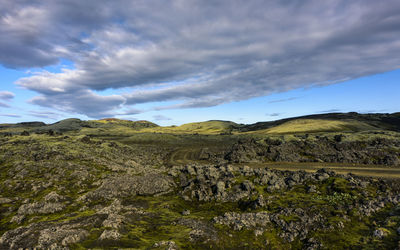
{"points": [[199, 53]]}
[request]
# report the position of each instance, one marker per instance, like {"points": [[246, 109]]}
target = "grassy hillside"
{"points": [[208, 127], [110, 122], [381, 121], [317, 125], [334, 122]]}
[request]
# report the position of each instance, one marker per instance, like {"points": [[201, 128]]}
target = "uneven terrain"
{"points": [[319, 182]]}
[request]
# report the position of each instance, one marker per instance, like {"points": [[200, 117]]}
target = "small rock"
{"points": [[40, 208], [110, 235], [5, 200], [311, 189], [220, 187], [171, 245], [380, 233], [53, 197], [185, 212], [17, 219], [258, 232], [246, 186]]}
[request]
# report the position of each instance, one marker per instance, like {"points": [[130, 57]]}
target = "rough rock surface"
{"points": [[123, 186], [377, 151], [45, 235]]}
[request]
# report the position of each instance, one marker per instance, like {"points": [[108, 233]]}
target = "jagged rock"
{"points": [[311, 189], [247, 186], [110, 235], [40, 208], [258, 232], [5, 200], [322, 149], [257, 203], [380, 233], [245, 220], [114, 221], [17, 219], [170, 245], [219, 188], [65, 234], [53, 197], [186, 212], [33, 236], [124, 186], [201, 231]]}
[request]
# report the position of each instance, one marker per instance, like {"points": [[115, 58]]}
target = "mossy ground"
{"points": [[71, 165]]}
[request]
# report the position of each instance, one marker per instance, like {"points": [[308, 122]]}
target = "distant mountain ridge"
{"points": [[330, 122]]}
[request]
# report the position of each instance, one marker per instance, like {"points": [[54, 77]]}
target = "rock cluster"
{"points": [[300, 224], [126, 185], [46, 235], [222, 183], [322, 149]]}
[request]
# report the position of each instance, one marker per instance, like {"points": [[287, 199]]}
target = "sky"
{"points": [[174, 62]]}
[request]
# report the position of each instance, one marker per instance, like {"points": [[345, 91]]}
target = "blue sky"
{"points": [[239, 60], [377, 94]]}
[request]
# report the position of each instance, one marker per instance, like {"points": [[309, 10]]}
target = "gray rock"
{"points": [[17, 219], [247, 186], [311, 189], [115, 221], [40, 208], [5, 200], [244, 220], [170, 245], [380, 233], [190, 170], [186, 212], [65, 234], [125, 186], [219, 187], [53, 197], [110, 235]]}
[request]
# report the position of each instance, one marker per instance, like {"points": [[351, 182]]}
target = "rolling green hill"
{"points": [[374, 121], [316, 125], [208, 127], [333, 122]]}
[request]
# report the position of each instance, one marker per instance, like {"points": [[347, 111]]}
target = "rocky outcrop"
{"points": [[300, 224], [124, 186], [319, 149], [222, 183], [40, 208], [46, 235]]}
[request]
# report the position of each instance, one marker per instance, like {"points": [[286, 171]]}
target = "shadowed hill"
{"points": [[352, 120], [317, 125], [332, 122]]}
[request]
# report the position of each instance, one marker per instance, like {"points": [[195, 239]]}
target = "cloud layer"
{"points": [[195, 53], [6, 96]]}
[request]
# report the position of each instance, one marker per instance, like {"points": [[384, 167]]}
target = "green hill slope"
{"points": [[208, 127], [316, 125]]}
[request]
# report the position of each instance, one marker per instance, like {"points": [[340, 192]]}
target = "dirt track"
{"points": [[341, 168], [191, 155]]}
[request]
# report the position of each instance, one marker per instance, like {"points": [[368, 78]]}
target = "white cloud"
{"points": [[6, 95], [161, 118], [193, 52]]}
